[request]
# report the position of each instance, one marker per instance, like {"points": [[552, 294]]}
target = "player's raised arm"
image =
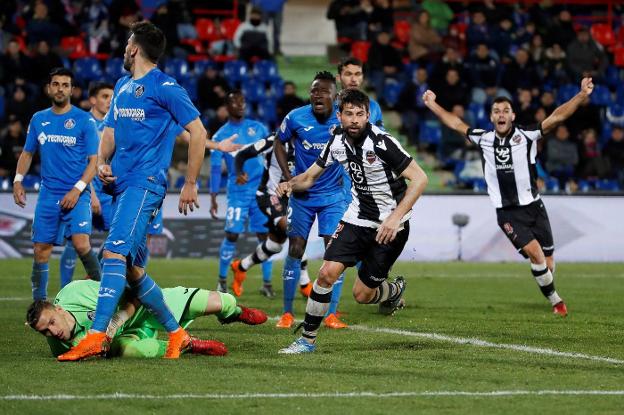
{"points": [[23, 165], [301, 182], [452, 121], [565, 110], [248, 152], [197, 146]]}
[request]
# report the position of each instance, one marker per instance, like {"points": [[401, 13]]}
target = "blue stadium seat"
{"points": [[179, 182], [114, 70], [267, 111], [88, 69], [615, 114], [479, 185], [409, 69], [430, 132], [177, 68], [601, 96], [585, 185], [605, 134], [201, 66], [266, 71], [552, 184], [31, 182], [234, 71], [566, 92], [190, 84], [276, 89], [2, 106], [613, 76], [607, 185], [479, 115], [391, 93], [253, 90]]}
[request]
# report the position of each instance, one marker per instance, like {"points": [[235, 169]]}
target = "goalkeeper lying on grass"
{"points": [[133, 330]]}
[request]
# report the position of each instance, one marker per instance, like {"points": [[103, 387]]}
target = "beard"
{"points": [[358, 135], [127, 63], [60, 102]]}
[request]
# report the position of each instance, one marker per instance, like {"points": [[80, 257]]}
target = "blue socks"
{"points": [[150, 294], [267, 271], [290, 279], [336, 292], [112, 287], [226, 253], [39, 280], [68, 263]]}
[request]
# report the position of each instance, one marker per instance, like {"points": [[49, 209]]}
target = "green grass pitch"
{"points": [[425, 352]]}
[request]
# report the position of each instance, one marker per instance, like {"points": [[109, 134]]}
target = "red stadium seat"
{"points": [[360, 49], [402, 31], [196, 44], [206, 29], [74, 47], [228, 28], [603, 34], [618, 57]]}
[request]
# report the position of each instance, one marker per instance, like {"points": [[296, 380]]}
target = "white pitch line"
{"points": [[217, 396], [14, 298], [484, 343]]}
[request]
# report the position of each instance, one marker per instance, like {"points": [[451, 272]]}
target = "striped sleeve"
{"points": [[390, 151], [475, 134], [325, 159], [533, 132]]}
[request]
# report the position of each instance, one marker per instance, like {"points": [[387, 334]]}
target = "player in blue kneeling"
{"points": [[100, 94], [147, 109], [66, 139], [241, 198]]}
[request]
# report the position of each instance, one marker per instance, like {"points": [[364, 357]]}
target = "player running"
{"points": [[241, 198], [133, 330], [66, 139], [273, 207]]}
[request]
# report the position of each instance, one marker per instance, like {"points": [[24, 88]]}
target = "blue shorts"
{"points": [[53, 224], [156, 225], [134, 209], [301, 217], [239, 211], [102, 221]]}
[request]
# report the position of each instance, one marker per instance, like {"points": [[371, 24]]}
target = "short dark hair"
{"points": [[33, 314], [325, 76], [350, 60], [61, 71], [96, 87], [231, 94], [354, 97], [500, 100], [150, 39]]}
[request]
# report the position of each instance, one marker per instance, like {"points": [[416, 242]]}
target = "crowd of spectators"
{"points": [[471, 52]]}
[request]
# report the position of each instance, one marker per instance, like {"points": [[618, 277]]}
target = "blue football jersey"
{"points": [[64, 141], [309, 137], [146, 114], [249, 131], [376, 117]]}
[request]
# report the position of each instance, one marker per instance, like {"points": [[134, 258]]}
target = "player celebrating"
{"points": [[241, 197], [509, 153], [66, 138], [147, 109], [375, 227], [273, 207], [308, 129], [133, 329], [100, 94]]}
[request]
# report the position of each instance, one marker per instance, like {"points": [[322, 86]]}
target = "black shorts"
{"points": [[274, 208], [351, 244], [522, 224]]}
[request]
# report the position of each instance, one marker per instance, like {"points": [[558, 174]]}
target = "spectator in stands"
{"points": [[217, 121], [350, 18], [424, 41], [562, 156], [450, 60], [411, 106], [503, 37], [289, 101], [483, 67], [167, 21], [561, 29], [212, 89], [123, 14], [94, 20], [554, 65], [15, 63], [452, 145], [43, 61], [614, 152], [536, 48], [381, 19], [253, 39], [452, 91], [547, 102], [586, 115], [520, 73], [591, 165], [585, 57], [40, 27], [525, 112], [12, 142], [19, 106], [478, 31], [384, 62], [272, 11], [495, 12], [441, 14], [525, 34]]}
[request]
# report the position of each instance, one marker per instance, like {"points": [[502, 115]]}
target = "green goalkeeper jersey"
{"points": [[79, 298]]}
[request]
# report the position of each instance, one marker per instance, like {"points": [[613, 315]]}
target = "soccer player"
{"points": [[509, 153], [100, 94], [375, 227], [241, 198], [66, 139], [133, 329], [273, 207], [134, 154], [308, 129]]}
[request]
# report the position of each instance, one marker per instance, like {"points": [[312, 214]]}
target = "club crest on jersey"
{"points": [[370, 157], [139, 91], [508, 228], [70, 123], [251, 131], [516, 139]]}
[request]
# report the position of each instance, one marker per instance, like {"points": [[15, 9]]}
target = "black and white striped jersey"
{"points": [[272, 175], [509, 164], [374, 165]]}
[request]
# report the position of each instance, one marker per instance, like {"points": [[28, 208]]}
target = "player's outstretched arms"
{"points": [[226, 146], [418, 180], [23, 165], [565, 110], [301, 182], [452, 121]]}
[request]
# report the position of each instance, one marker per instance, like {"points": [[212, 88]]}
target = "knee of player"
{"points": [[327, 276], [232, 237], [82, 247], [362, 297], [296, 247], [42, 252]]}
